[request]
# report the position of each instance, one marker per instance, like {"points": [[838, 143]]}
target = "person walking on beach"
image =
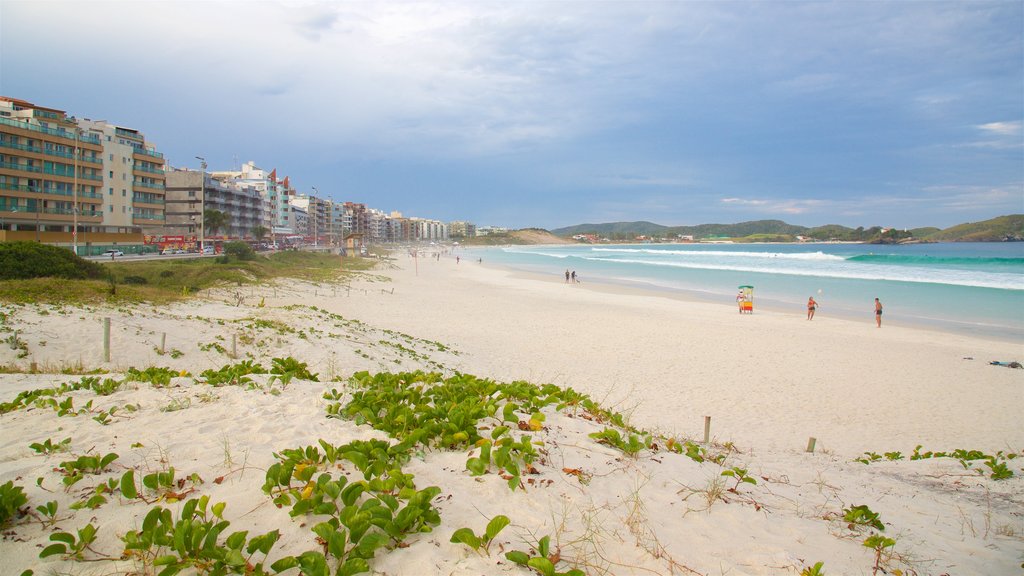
{"points": [[878, 313], [811, 307], [566, 275], [574, 279]]}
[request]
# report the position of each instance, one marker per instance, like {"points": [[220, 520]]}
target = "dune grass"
{"points": [[160, 281]]}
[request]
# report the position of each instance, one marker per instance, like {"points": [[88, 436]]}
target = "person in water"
{"points": [[811, 307]]}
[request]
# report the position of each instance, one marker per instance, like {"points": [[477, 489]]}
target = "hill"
{"points": [[519, 237], [1002, 228], [995, 230]]}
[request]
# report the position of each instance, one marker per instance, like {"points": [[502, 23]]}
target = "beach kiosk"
{"points": [[747, 303]]}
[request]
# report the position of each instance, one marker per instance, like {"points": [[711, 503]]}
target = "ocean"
{"points": [[976, 288]]}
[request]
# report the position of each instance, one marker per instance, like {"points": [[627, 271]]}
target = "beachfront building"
{"points": [[461, 229], [429, 230], [276, 194], [488, 230], [318, 212], [87, 185], [192, 193]]}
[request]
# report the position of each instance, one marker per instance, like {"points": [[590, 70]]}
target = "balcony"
{"points": [[148, 199], [88, 138], [150, 185], [128, 133], [151, 153], [47, 191], [141, 216], [144, 168]]}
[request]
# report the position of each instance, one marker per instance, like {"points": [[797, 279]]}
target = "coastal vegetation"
{"points": [[1003, 228], [32, 272]]}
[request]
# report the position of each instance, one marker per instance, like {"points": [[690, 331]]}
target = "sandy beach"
{"points": [[768, 381]]}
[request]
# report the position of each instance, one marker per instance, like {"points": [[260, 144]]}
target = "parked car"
{"points": [[208, 250], [113, 253]]}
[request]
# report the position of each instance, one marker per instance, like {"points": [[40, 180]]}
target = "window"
{"points": [[111, 208], [124, 192], [111, 156], [111, 173], [111, 192]]}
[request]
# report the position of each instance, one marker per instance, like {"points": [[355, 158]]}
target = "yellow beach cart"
{"points": [[747, 303]]}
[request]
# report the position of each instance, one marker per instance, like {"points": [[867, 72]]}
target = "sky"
{"points": [[550, 114]]}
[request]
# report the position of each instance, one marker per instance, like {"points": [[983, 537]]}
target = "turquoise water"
{"points": [[968, 287]]}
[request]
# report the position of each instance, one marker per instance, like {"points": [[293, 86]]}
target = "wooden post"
{"points": [[707, 429], [163, 342], [106, 339], [810, 444]]}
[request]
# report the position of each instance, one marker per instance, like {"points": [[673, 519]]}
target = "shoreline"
{"points": [[944, 325]]}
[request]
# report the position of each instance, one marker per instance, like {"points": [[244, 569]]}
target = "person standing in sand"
{"points": [[878, 313], [740, 299], [811, 307], [566, 275]]}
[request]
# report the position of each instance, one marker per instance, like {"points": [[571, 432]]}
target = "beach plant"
{"points": [[544, 561], [159, 377], [193, 541], [741, 476], [88, 464], [879, 544], [818, 569], [69, 545], [48, 446], [481, 543], [291, 368], [12, 498], [48, 513], [862, 516], [233, 374], [630, 445]]}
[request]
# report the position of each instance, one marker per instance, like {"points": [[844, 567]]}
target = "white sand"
{"points": [[769, 381]]}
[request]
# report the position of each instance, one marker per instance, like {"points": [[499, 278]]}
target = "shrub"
{"points": [[24, 260], [239, 250]]}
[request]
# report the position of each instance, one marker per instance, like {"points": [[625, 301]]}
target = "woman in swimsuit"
{"points": [[811, 307]]}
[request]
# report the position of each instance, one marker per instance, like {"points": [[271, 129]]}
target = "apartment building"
{"points": [[86, 185], [461, 229], [277, 193], [193, 193]]}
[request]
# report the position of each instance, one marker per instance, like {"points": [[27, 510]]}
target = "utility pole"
{"points": [[202, 204], [312, 204]]}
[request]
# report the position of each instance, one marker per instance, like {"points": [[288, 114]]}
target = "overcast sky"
{"points": [[550, 114]]}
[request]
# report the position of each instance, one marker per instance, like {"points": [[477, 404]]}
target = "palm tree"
{"points": [[215, 221], [259, 232]]}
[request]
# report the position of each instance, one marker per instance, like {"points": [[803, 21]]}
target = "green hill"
{"points": [[995, 230]]}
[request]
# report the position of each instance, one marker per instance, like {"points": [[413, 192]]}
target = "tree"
{"points": [[259, 232], [215, 221]]}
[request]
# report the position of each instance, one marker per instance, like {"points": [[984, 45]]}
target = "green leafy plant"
{"points": [[157, 376], [233, 374], [741, 476], [859, 516], [878, 543], [816, 570], [49, 447], [481, 543], [69, 546], [48, 513], [193, 541], [291, 368], [12, 498], [630, 445], [544, 561]]}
